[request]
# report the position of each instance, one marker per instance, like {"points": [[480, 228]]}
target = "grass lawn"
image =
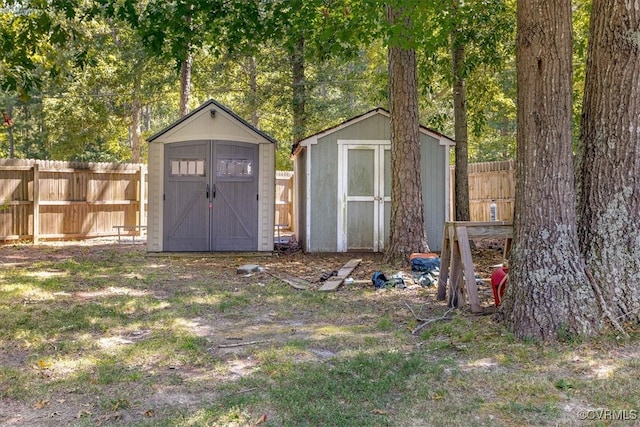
{"points": [[97, 335]]}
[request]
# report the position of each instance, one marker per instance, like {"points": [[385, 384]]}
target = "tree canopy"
{"points": [[108, 55]]}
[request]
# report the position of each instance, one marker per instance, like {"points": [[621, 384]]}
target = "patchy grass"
{"points": [[107, 335]]}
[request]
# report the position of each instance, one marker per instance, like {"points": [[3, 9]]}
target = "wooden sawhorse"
{"points": [[456, 259]]}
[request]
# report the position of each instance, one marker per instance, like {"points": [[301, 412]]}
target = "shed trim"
{"points": [[313, 139], [204, 106], [342, 198], [308, 200]]}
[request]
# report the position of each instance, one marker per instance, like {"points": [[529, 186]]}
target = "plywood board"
{"points": [[343, 273]]}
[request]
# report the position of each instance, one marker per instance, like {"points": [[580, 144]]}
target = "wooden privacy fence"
{"points": [[66, 200], [42, 199], [284, 200], [490, 181]]}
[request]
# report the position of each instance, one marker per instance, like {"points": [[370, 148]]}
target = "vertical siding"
{"points": [[267, 186], [433, 170], [300, 191], [155, 205], [324, 178], [324, 189]]}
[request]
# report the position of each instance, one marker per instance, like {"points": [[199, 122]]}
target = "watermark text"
{"points": [[608, 414]]}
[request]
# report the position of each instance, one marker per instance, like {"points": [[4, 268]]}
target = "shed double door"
{"points": [[210, 196], [365, 196]]}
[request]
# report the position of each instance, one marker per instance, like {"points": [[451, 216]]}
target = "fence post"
{"points": [[36, 203]]}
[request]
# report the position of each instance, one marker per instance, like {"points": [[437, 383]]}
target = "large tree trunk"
{"points": [[299, 92], [549, 296], [407, 233], [461, 132], [253, 89], [185, 83], [609, 191]]}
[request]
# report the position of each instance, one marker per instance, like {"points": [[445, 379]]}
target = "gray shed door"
{"points": [[211, 196]]}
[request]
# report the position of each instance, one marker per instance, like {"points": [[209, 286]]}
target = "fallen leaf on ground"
{"points": [[41, 404]]}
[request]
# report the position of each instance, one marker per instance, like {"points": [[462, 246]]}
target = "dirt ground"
{"points": [[286, 263]]}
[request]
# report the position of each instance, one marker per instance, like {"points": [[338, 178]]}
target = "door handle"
{"points": [[207, 191], [214, 191]]}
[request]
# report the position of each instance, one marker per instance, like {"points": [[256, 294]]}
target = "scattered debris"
{"points": [[426, 267], [325, 276], [240, 344], [249, 268], [343, 273], [426, 322], [295, 282], [246, 390], [286, 247]]}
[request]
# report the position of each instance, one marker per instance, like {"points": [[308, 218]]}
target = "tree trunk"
{"points": [[609, 191], [299, 92], [461, 132], [12, 153], [185, 83], [136, 137], [549, 296], [407, 232], [253, 89]]}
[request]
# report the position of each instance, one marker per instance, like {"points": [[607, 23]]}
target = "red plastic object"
{"points": [[499, 283]]}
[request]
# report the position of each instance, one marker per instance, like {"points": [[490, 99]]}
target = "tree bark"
{"points": [[299, 92], [549, 296], [407, 232], [136, 136], [609, 152], [185, 83], [12, 153], [253, 89], [461, 132]]}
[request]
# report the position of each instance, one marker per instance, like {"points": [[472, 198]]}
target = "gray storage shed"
{"points": [[342, 181], [211, 184]]}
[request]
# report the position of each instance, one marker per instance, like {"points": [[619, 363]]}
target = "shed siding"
{"points": [[267, 185], [225, 126], [324, 190], [324, 176], [433, 168], [300, 188], [155, 208], [318, 163]]}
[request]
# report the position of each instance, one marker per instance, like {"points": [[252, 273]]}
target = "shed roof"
{"points": [[204, 106], [445, 140]]}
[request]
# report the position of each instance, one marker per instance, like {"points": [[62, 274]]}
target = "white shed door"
{"points": [[364, 196]]}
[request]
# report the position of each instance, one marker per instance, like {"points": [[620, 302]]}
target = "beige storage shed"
{"points": [[211, 184]]}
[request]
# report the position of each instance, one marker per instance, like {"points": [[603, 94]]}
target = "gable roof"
{"points": [[204, 106], [423, 129]]}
